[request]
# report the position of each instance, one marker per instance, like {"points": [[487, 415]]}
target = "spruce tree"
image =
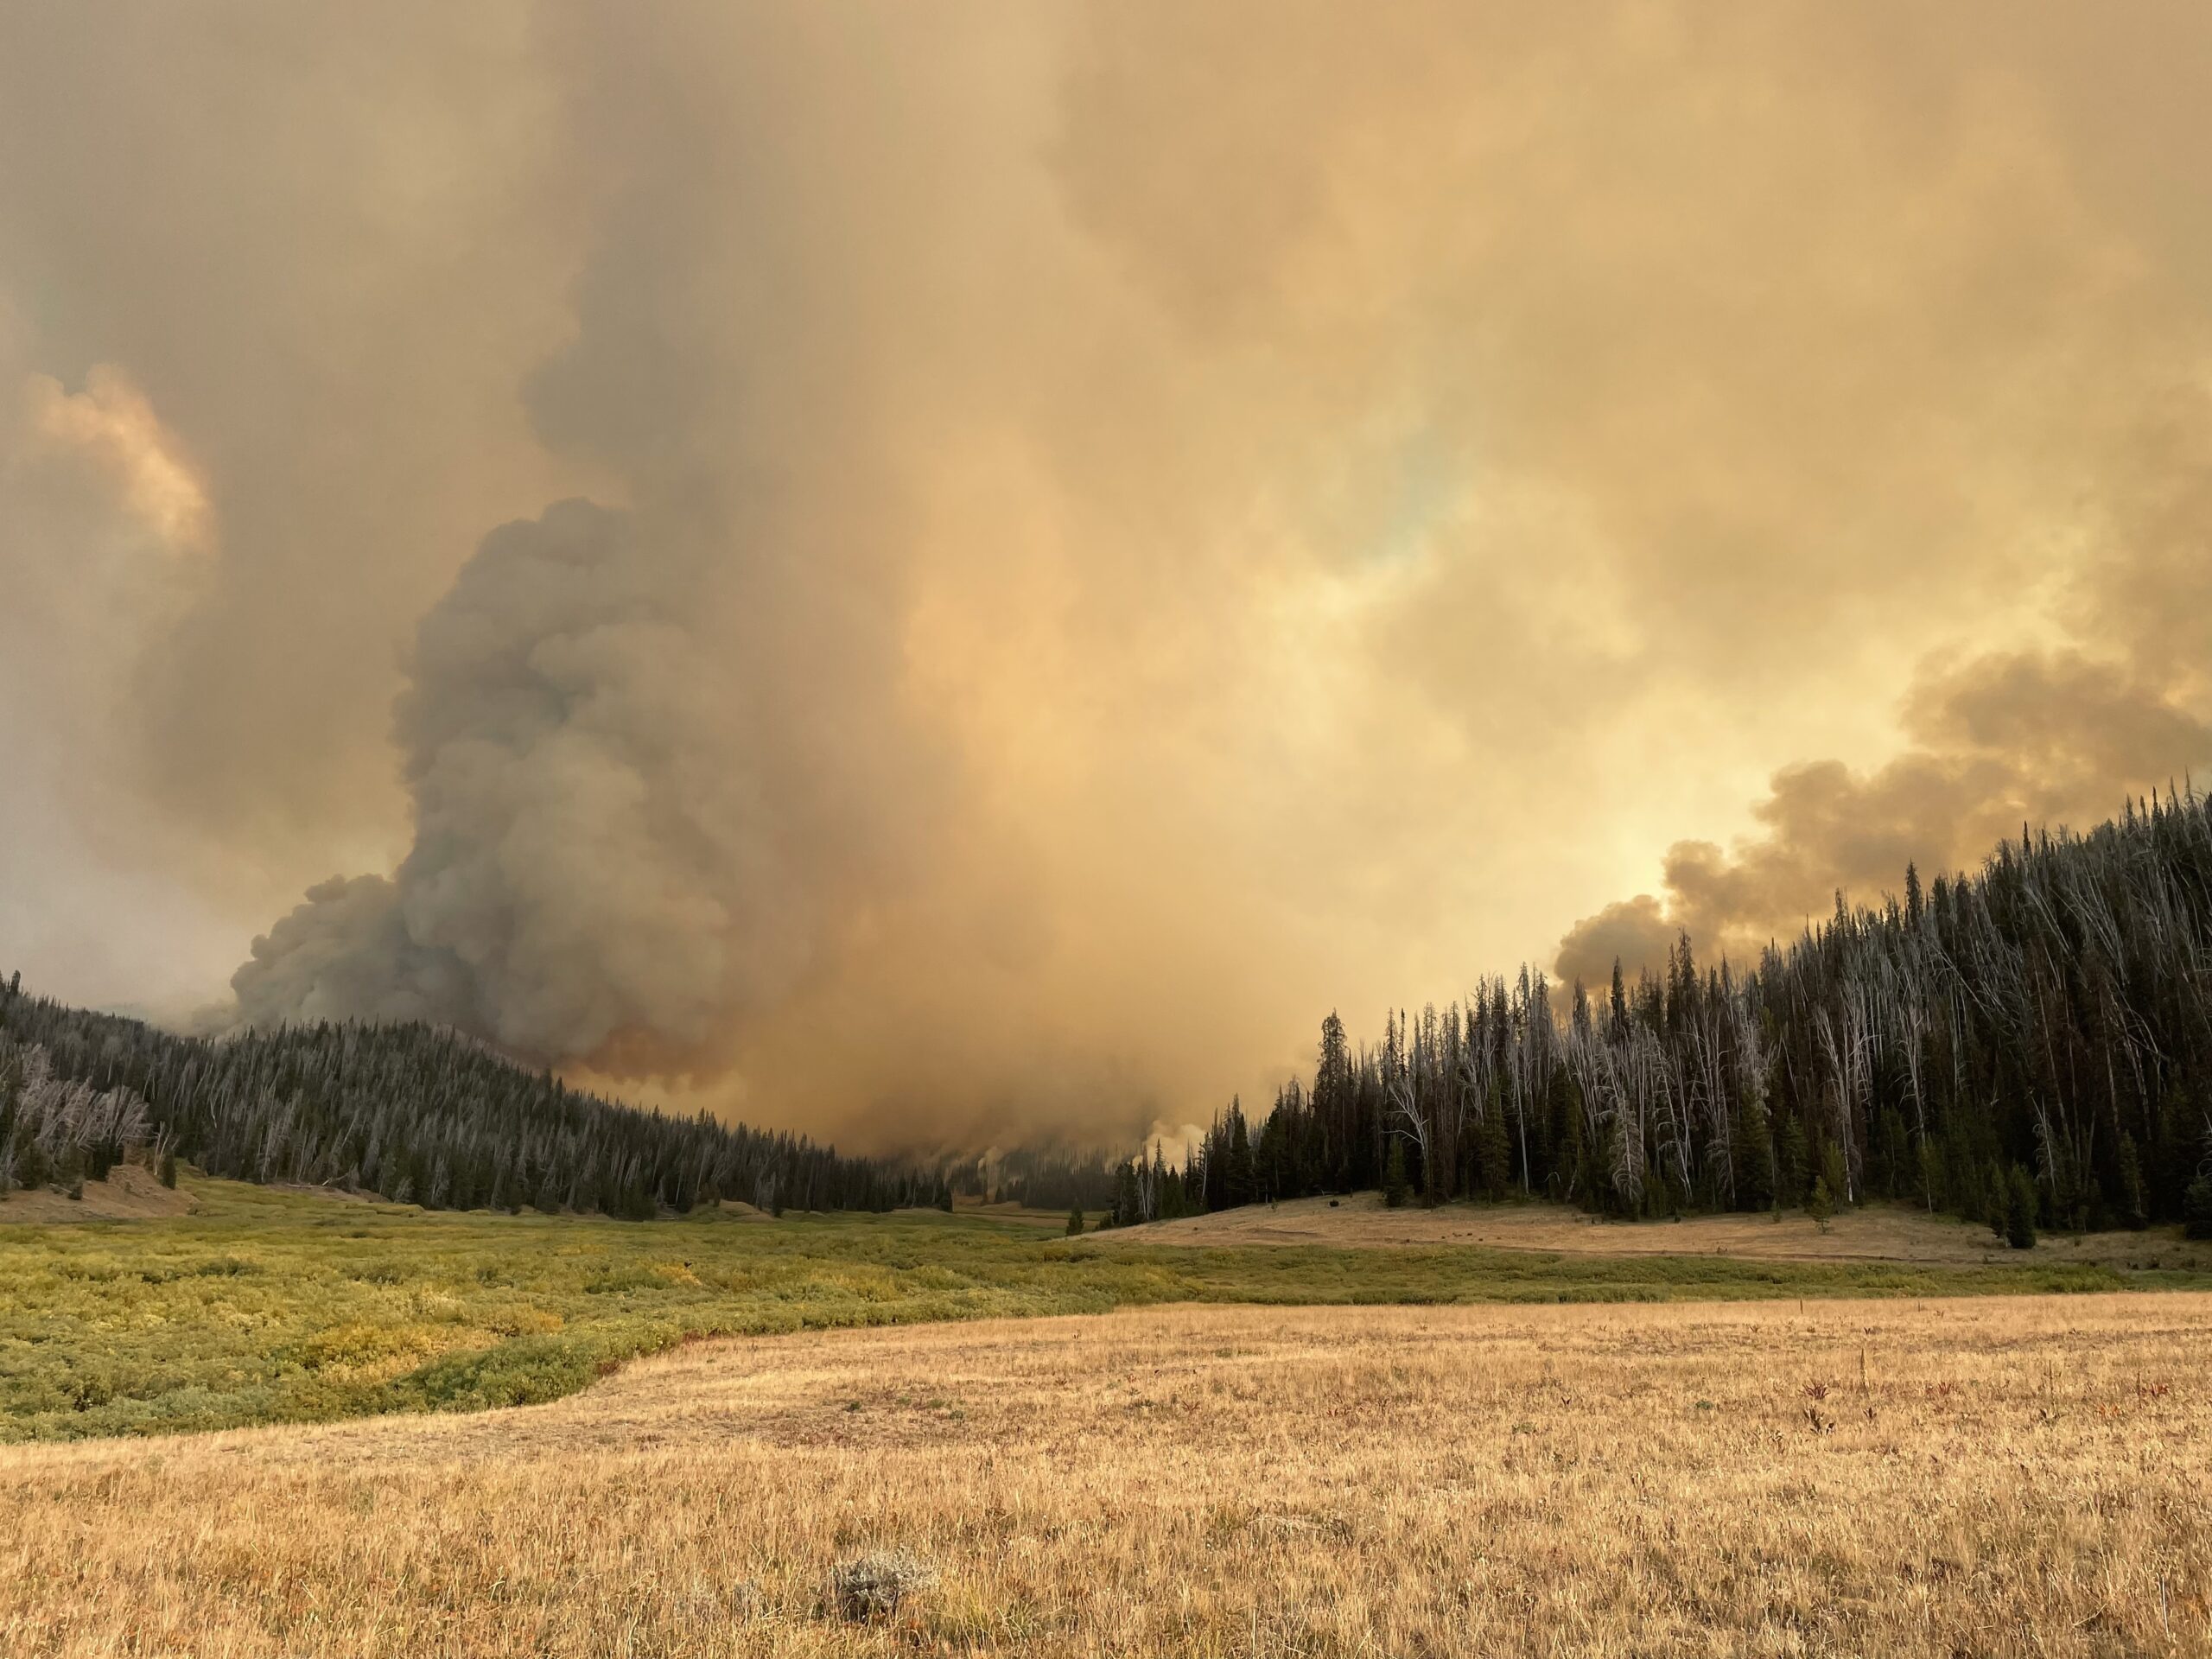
{"points": [[1394, 1176], [2134, 1212], [1794, 1164], [2020, 1210], [1820, 1204], [1075, 1220], [1932, 1193], [2196, 1208], [1493, 1149], [1240, 1183], [1751, 1155], [1835, 1173]]}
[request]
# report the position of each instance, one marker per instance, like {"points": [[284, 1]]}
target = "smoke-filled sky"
{"points": [[941, 571]]}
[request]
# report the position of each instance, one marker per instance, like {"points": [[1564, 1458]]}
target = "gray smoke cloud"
{"points": [[594, 865], [623, 846]]}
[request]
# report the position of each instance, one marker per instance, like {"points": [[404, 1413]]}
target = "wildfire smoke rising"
{"points": [[950, 573]]}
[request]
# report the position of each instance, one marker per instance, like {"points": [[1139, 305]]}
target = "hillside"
{"points": [[409, 1113]]}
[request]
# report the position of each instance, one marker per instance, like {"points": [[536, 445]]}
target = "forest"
{"points": [[406, 1111], [2029, 1046]]}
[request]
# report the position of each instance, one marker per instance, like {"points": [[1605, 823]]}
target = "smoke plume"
{"points": [[939, 572]]}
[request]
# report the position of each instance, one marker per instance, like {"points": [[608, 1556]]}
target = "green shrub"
{"points": [[2196, 1208]]}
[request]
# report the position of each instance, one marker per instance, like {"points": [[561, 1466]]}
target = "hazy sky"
{"points": [[920, 569]]}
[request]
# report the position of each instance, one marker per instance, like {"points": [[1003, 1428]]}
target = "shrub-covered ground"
{"points": [[270, 1306]]}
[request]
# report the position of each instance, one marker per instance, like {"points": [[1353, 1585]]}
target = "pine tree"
{"points": [[1493, 1149], [1751, 1156], [1834, 1173], [2134, 1211], [1394, 1176], [1932, 1185], [1820, 1204], [2020, 1210], [2196, 1208], [1075, 1220], [1239, 1183], [1793, 1165], [1129, 1208]]}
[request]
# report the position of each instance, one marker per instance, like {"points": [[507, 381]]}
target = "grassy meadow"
{"points": [[1998, 1476], [262, 1306]]}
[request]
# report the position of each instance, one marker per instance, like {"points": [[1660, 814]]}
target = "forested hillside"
{"points": [[408, 1112], [2030, 1046]]}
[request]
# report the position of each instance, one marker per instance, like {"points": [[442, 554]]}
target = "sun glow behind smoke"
{"points": [[110, 423]]}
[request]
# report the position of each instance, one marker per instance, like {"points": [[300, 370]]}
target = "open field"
{"points": [[1880, 1233], [1995, 1477], [261, 1305]]}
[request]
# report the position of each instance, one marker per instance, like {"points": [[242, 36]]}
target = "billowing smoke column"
{"points": [[594, 873], [658, 762]]}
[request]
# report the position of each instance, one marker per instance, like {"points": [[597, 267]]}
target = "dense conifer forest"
{"points": [[408, 1112], [2029, 1046]]}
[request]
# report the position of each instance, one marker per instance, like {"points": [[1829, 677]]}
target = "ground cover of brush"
{"points": [[264, 1307], [1993, 1477]]}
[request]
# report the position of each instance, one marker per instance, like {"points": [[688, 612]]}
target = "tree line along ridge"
{"points": [[2029, 1045]]}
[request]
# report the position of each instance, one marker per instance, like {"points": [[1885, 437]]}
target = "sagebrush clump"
{"points": [[875, 1585]]}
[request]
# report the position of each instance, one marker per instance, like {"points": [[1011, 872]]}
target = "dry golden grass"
{"points": [[1987, 1477], [1878, 1233]]}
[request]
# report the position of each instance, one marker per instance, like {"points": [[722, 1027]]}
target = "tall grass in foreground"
{"points": [[1994, 1478]]}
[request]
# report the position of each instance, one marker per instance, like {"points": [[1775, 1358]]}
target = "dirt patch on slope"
{"points": [[130, 1193]]}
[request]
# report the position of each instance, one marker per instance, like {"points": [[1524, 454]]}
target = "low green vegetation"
{"points": [[265, 1306]]}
